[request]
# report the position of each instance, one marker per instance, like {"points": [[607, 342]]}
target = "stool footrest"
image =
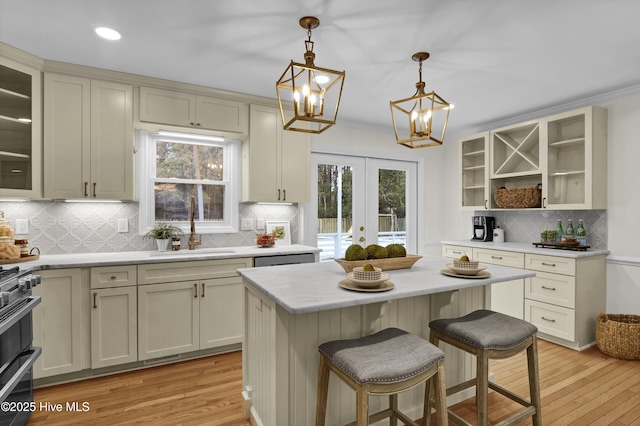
{"points": [[518, 417], [509, 394], [384, 414]]}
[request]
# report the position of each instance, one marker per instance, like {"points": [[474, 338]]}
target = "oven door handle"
{"points": [[19, 314], [13, 382]]}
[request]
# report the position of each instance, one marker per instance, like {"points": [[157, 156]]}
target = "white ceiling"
{"points": [[493, 59]]}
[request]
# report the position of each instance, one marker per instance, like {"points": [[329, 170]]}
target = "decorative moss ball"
{"points": [[375, 251], [396, 250], [355, 252]]}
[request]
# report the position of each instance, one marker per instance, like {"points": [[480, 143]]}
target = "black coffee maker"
{"points": [[483, 228]]}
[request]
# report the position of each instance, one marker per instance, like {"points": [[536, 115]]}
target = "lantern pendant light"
{"points": [[314, 91], [420, 120]]}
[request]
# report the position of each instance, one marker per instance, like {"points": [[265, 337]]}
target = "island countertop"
{"points": [[313, 287]]}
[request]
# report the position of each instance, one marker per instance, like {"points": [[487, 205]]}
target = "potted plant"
{"points": [[163, 233]]}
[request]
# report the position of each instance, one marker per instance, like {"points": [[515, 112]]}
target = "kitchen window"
{"points": [[175, 167]]}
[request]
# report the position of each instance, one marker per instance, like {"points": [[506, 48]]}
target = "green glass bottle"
{"points": [[581, 234], [570, 232], [559, 231]]}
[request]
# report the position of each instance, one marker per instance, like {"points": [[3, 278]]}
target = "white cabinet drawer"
{"points": [[113, 276], [499, 257], [550, 319], [553, 264], [159, 273], [552, 288], [455, 252]]}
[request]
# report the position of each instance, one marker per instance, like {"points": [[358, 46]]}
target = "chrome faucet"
{"points": [[193, 242]]}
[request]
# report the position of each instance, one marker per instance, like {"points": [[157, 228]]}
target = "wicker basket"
{"points": [[618, 335], [519, 198]]}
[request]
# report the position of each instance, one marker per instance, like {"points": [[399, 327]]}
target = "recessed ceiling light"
{"points": [[108, 33]]}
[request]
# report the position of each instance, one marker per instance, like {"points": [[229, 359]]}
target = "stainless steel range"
{"points": [[17, 353]]}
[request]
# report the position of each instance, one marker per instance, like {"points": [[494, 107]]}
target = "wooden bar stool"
{"points": [[491, 335], [385, 363]]}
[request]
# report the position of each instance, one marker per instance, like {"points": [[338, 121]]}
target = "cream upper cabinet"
{"points": [[189, 110], [576, 160], [565, 153], [275, 163], [88, 139], [474, 165], [20, 130]]}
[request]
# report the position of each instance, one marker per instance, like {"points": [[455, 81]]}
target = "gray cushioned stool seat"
{"points": [[388, 356], [486, 329]]}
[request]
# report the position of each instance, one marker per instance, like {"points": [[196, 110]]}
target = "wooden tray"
{"points": [[562, 246], [27, 258], [387, 264]]}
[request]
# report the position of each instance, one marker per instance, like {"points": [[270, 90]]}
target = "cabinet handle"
{"points": [[284, 195], [497, 257], [198, 124], [549, 264], [95, 304], [544, 203], [94, 190], [86, 186], [202, 289], [549, 288], [456, 252], [485, 205], [112, 277], [547, 319], [195, 290], [192, 123], [278, 195]]}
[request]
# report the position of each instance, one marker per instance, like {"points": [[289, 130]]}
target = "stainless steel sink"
{"points": [[186, 252]]}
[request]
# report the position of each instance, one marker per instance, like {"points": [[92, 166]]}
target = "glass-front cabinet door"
{"points": [[20, 131]]}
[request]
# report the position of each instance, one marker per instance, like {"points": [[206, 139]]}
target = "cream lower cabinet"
{"points": [[114, 320], [565, 297], [276, 163], [88, 139], [188, 306], [57, 323], [506, 297]]}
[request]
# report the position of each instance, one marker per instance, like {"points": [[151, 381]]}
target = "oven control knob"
{"points": [[34, 280], [4, 298], [24, 285]]}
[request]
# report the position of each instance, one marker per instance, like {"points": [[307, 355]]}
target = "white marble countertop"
{"points": [[60, 261], [527, 248], [314, 287]]}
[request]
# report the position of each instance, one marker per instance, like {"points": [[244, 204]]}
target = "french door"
{"points": [[361, 200]]}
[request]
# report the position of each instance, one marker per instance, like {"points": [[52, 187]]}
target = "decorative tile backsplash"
{"points": [[57, 227], [524, 226]]}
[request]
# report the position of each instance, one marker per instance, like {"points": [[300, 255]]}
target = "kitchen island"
{"points": [[290, 310]]}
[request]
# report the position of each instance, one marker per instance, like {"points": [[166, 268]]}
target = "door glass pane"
{"points": [[335, 213], [392, 207]]}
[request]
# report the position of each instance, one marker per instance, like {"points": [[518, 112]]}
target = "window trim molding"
{"points": [[145, 169]]}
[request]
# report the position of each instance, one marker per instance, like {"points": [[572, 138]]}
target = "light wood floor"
{"points": [[578, 388]]}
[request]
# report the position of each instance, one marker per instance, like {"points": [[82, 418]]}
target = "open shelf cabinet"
{"points": [[474, 156]]}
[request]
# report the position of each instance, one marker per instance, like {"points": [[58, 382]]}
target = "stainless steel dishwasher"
{"points": [[283, 259]]}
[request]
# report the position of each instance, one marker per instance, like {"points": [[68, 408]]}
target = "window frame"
{"points": [[145, 182]]}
